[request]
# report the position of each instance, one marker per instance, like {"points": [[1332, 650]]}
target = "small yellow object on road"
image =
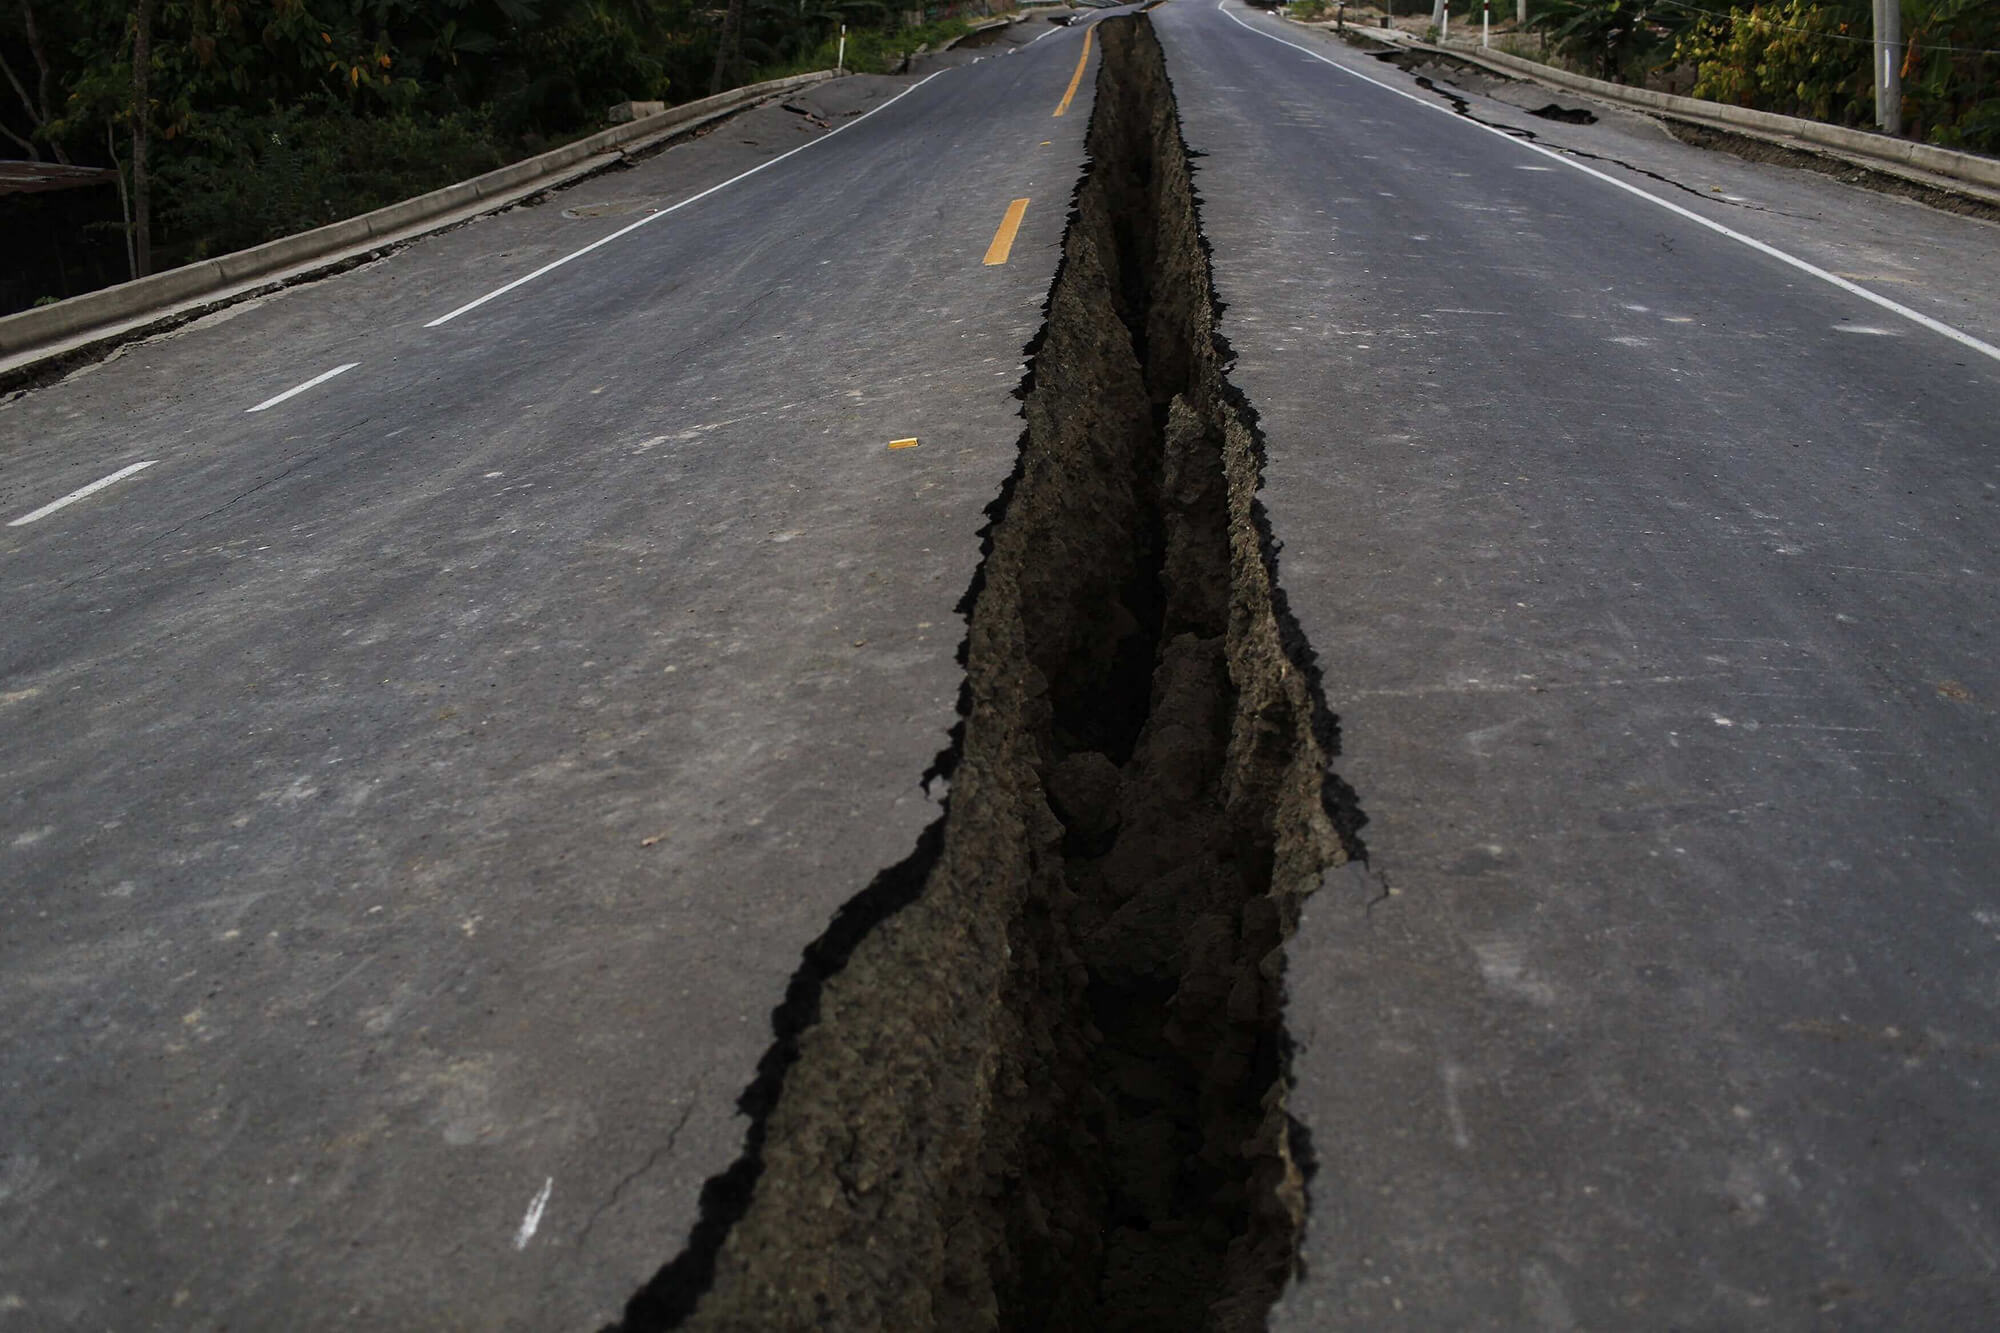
{"points": [[1003, 239], [903, 444]]}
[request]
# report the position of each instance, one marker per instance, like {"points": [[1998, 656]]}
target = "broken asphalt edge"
{"points": [[1925, 164]]}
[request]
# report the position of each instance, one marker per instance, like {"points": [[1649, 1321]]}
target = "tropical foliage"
{"points": [[261, 117], [1808, 58], [1609, 38]]}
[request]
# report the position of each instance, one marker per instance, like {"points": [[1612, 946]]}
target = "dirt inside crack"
{"points": [[1035, 1077]]}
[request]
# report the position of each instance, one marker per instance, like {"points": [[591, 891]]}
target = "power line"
{"points": [[1738, 15]]}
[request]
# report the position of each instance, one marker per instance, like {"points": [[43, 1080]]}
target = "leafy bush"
{"points": [[1609, 38], [238, 178], [1952, 96], [869, 50], [1787, 57], [574, 70], [1813, 58], [269, 117]]}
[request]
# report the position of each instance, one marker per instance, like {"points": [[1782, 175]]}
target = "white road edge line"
{"points": [[295, 392], [1914, 316], [675, 208], [81, 492]]}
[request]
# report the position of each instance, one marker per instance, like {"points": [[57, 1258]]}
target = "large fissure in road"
{"points": [[1034, 1077]]}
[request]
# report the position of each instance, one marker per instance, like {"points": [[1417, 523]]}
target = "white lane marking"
{"points": [[81, 492], [1914, 316], [1876, 330], [534, 1217], [314, 382], [675, 208]]}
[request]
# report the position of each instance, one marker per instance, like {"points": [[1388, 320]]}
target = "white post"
{"points": [[840, 55], [1486, 22], [1888, 66], [1440, 15]]}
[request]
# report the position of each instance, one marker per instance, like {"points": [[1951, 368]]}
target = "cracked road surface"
{"points": [[416, 794], [420, 790], [1653, 580]]}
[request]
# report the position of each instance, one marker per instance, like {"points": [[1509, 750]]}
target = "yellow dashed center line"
{"points": [[1003, 239], [1076, 78], [903, 444]]}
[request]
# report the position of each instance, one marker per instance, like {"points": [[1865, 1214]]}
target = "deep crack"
{"points": [[1035, 1078]]}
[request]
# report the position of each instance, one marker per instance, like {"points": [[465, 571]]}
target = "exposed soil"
{"points": [[1034, 1077], [1752, 149], [992, 36]]}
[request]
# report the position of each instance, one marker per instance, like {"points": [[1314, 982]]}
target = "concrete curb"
{"points": [[131, 307], [984, 25], [1969, 168]]}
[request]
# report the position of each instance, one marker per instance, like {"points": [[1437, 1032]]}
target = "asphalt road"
{"points": [[1653, 579], [417, 793]]}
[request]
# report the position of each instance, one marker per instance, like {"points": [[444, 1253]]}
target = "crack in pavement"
{"points": [[1034, 1076], [652, 1159], [1463, 106], [298, 459]]}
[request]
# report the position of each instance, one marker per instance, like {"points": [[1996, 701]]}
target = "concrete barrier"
{"points": [[57, 326]]}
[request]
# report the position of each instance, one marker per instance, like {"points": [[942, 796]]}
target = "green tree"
{"points": [[1814, 58], [1611, 38], [232, 121]]}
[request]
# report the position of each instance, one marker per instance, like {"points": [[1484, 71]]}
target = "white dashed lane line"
{"points": [[83, 492], [296, 390], [80, 493]]}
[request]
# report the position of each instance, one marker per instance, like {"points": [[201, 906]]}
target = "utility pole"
{"points": [[1520, 13], [142, 132], [1441, 18], [1889, 66]]}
